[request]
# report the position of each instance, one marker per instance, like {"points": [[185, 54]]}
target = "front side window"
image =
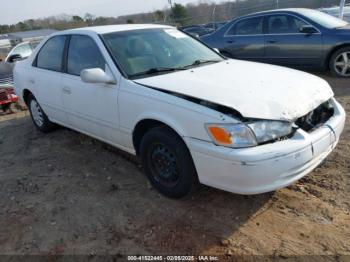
{"points": [[50, 55], [142, 53], [250, 26], [284, 24], [83, 54]]}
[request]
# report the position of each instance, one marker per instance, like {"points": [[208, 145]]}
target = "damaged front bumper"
{"points": [[267, 167]]}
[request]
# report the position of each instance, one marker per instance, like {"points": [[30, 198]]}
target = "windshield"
{"points": [[323, 19], [142, 53]]}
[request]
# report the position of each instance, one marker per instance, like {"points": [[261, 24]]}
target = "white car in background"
{"points": [[190, 114], [20, 52]]}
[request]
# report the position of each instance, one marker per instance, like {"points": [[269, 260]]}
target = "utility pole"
{"points": [[341, 9], [213, 17], [171, 11]]}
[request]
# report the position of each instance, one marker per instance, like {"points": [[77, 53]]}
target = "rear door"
{"points": [[286, 45], [45, 80], [245, 39]]}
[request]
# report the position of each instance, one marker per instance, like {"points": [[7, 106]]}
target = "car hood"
{"points": [[343, 30], [255, 90]]}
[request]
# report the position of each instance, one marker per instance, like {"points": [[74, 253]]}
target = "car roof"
{"points": [[289, 10], [113, 28]]}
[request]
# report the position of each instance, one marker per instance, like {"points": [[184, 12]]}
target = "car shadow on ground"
{"points": [[76, 194]]}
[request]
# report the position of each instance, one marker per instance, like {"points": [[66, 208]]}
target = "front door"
{"points": [[91, 108], [286, 45]]}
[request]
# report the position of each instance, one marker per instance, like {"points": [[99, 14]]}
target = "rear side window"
{"points": [[50, 55], [83, 54], [250, 26]]}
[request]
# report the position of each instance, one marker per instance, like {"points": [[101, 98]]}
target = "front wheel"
{"points": [[40, 119], [167, 162], [340, 63]]}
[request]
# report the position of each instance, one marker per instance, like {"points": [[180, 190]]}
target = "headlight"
{"points": [[247, 135], [270, 130]]}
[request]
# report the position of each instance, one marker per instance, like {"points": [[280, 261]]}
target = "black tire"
{"points": [[45, 125], [334, 58], [167, 163]]}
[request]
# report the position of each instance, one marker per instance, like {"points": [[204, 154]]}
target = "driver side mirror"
{"points": [[14, 58], [307, 29], [96, 76]]}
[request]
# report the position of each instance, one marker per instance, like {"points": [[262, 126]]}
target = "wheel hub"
{"points": [[164, 165], [37, 113], [342, 64]]}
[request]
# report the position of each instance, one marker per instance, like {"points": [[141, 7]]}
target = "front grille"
{"points": [[3, 95], [316, 118]]}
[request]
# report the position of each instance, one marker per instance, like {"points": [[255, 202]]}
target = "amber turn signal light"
{"points": [[220, 135]]}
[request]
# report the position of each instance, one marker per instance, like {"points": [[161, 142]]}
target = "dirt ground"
{"points": [[65, 193]]}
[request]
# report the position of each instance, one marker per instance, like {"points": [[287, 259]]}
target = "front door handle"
{"points": [[230, 41], [67, 90]]}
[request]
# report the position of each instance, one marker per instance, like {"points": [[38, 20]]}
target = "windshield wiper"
{"points": [[157, 70], [201, 62]]}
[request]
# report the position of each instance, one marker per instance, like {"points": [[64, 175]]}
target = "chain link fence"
{"points": [[208, 13]]}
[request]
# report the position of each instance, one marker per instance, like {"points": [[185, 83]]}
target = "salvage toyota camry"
{"points": [[190, 114]]}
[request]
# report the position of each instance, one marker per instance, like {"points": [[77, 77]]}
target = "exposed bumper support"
{"points": [[267, 167]]}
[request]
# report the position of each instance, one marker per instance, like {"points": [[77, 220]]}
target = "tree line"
{"points": [[198, 13]]}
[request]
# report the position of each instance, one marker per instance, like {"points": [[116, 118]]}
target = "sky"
{"points": [[13, 11]]}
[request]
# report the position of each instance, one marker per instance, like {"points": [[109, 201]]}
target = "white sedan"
{"points": [[190, 114]]}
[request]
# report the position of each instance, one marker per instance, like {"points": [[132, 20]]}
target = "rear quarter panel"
{"points": [[21, 74]]}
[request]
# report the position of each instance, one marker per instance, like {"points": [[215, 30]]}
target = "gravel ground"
{"points": [[64, 193]]}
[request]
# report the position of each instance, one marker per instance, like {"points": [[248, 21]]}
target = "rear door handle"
{"points": [[272, 41], [230, 41], [67, 90]]}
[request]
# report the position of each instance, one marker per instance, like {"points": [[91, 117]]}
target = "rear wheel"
{"points": [[340, 62], [168, 163], [39, 118]]}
